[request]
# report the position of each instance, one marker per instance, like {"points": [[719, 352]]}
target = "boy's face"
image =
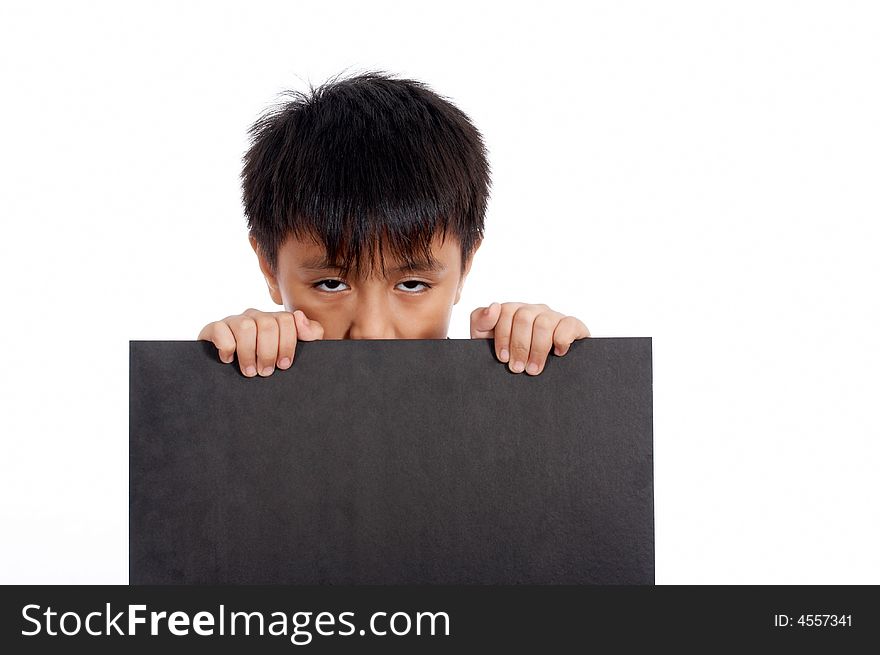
{"points": [[404, 304]]}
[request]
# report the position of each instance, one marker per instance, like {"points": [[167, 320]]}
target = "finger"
{"points": [[503, 329], [221, 336], [267, 343], [245, 330], [568, 330], [542, 341], [286, 338], [307, 329], [483, 320], [521, 337]]}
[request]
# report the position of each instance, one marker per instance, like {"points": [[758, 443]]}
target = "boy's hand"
{"points": [[524, 334], [263, 340]]}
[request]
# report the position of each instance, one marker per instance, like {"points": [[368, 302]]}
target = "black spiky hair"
{"points": [[363, 165]]}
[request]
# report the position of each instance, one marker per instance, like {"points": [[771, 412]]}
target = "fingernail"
{"points": [[284, 363], [518, 367], [532, 369], [226, 360], [250, 371], [267, 371], [504, 356]]}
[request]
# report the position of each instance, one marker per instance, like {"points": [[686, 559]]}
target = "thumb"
{"points": [[483, 320], [307, 329]]}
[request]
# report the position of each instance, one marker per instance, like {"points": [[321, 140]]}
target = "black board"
{"points": [[392, 462]]}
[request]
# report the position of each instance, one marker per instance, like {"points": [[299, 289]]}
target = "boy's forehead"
{"points": [[310, 253]]}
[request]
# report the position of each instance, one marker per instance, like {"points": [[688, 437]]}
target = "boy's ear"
{"points": [[271, 280], [467, 269]]}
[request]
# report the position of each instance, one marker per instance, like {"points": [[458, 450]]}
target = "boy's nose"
{"points": [[372, 321], [370, 332]]}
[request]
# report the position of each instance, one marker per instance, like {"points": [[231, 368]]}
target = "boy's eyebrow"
{"points": [[321, 263], [421, 265]]}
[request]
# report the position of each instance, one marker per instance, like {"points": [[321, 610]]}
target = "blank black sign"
{"points": [[392, 462]]}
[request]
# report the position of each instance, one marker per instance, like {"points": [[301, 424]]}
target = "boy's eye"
{"points": [[412, 285], [332, 285]]}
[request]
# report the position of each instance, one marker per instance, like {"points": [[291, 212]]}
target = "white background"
{"points": [[702, 173]]}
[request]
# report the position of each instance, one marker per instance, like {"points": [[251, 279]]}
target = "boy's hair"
{"points": [[362, 165]]}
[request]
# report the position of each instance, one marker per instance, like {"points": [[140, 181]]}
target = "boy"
{"points": [[365, 202]]}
